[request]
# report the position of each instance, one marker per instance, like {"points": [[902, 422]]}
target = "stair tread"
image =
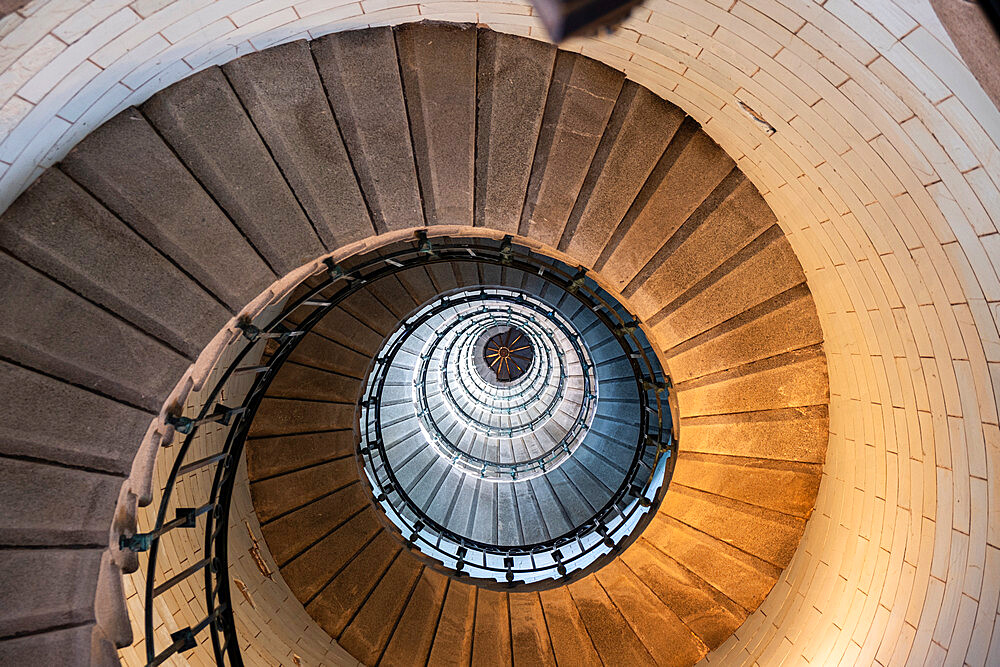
{"points": [[50, 328], [737, 575], [581, 97], [712, 234], [793, 379], [689, 170], [438, 70], [128, 167], [491, 643], [791, 434], [277, 495], [360, 71], [615, 641], [348, 593], [662, 633], [789, 488], [782, 324], [289, 535], [571, 642], [766, 534], [709, 614], [288, 416], [638, 131], [204, 121], [271, 456], [529, 635], [284, 96], [57, 227], [32, 429], [411, 641], [368, 633], [513, 83], [455, 630], [298, 381], [767, 269]]}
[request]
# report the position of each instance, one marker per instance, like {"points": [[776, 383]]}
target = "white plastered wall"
{"points": [[884, 173]]}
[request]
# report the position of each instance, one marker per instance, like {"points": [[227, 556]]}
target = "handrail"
{"points": [[470, 461], [278, 334]]}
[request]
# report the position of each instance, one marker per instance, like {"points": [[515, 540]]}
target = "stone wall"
{"points": [[883, 171]]}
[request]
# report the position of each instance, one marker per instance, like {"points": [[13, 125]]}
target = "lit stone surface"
{"points": [[883, 174]]}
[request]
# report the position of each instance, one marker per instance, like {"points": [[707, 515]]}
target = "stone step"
{"points": [[491, 641], [455, 628], [782, 324], [63, 597], [789, 434], [279, 495], [580, 100], [530, 643], [309, 572], [667, 639], [710, 615], [615, 640], [57, 647], [760, 271], [740, 576], [783, 486], [59, 229], [299, 381], [128, 167], [638, 131], [571, 642], [368, 633], [726, 222], [45, 505], [689, 170], [348, 593], [285, 416], [360, 71], [281, 90], [512, 84], [324, 353], [88, 430], [291, 534], [52, 329], [411, 641], [766, 534], [438, 68], [793, 379], [204, 122], [267, 457]]}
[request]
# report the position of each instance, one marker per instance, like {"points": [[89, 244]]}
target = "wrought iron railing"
{"points": [[236, 389], [465, 459]]}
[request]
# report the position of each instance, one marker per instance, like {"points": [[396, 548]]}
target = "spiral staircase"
{"points": [[123, 263]]}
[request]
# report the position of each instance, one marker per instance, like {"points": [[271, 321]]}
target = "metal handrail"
{"points": [[282, 332], [460, 456]]}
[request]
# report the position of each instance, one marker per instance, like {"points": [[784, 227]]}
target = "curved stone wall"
{"points": [[878, 152]]}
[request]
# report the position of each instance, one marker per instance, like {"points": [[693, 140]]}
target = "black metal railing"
{"points": [[465, 459], [235, 391]]}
